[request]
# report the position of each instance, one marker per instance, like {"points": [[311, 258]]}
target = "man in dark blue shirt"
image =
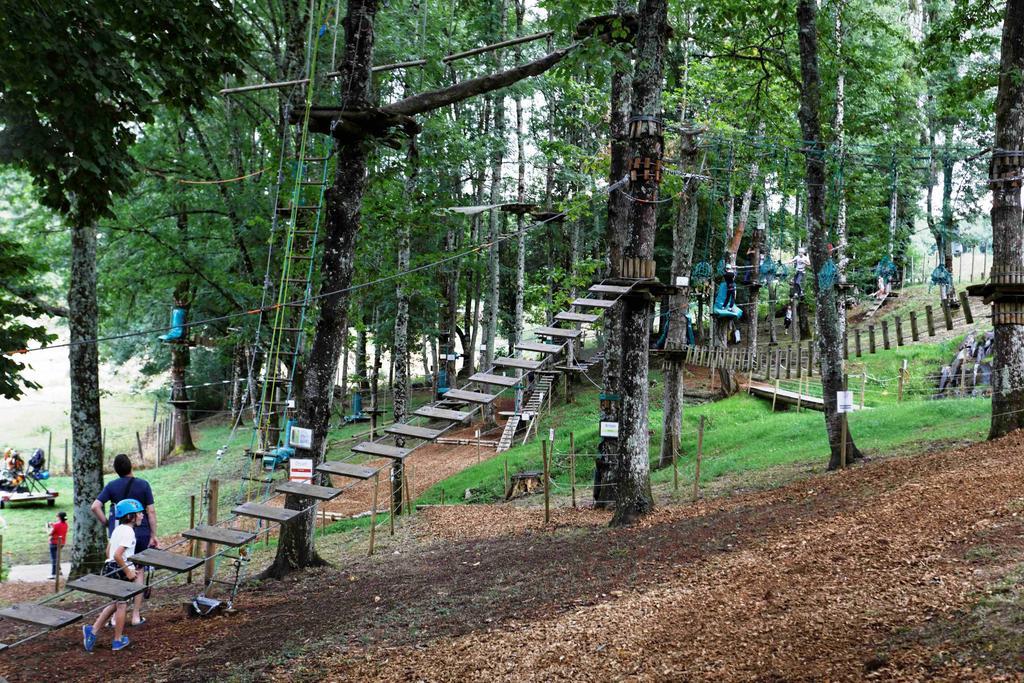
{"points": [[128, 486]]}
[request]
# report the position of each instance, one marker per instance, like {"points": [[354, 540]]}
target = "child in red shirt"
{"points": [[58, 537]]}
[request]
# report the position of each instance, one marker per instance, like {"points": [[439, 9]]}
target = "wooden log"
{"points": [[914, 332], [856, 341], [929, 317], [899, 331], [947, 314], [871, 338], [965, 306], [885, 335]]}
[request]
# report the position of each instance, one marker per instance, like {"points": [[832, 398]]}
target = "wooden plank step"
{"points": [[520, 363], [497, 380], [40, 615], [471, 396], [609, 289], [577, 317], [371, 448], [115, 589], [216, 534], [162, 559], [556, 332], [539, 347], [402, 429], [344, 469], [442, 414], [267, 512], [593, 303], [308, 490]]}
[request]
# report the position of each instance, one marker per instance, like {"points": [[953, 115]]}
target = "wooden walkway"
{"points": [[787, 397]]}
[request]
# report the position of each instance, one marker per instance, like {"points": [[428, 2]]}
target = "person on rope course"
{"points": [[725, 300], [799, 263], [120, 548]]}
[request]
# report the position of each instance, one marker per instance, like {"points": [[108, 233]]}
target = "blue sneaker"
{"points": [[88, 638], [120, 644]]}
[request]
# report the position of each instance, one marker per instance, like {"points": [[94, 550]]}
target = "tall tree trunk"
{"points": [[616, 234], [401, 352], [754, 289], [683, 238], [633, 481], [830, 340], [179, 367], [343, 203], [520, 287], [89, 541], [1007, 230], [949, 231]]}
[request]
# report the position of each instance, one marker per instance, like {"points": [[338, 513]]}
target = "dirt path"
{"points": [[831, 577]]}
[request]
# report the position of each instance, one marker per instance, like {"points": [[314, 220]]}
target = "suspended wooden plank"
{"points": [[344, 469], [115, 589], [558, 332], [539, 347], [371, 448], [519, 363], [471, 396], [577, 317], [308, 490], [442, 414], [609, 289], [593, 303], [40, 615], [402, 429], [162, 559], [216, 534], [267, 512], [496, 380]]}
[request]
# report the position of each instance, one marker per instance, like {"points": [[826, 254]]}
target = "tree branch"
{"points": [[31, 298], [435, 99]]}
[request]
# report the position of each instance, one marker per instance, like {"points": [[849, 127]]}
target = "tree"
{"points": [[77, 81], [633, 480], [17, 290], [830, 341], [343, 218], [1007, 230]]}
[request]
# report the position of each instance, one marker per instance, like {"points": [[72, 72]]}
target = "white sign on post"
{"points": [[682, 281], [551, 435], [300, 470], [610, 429], [300, 437], [844, 401]]}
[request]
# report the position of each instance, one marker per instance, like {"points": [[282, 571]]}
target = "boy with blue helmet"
{"points": [[120, 549]]}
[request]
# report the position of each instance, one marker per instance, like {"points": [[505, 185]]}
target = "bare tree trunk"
{"points": [[633, 489], [830, 340], [520, 287], [89, 542], [1007, 232], [683, 238], [754, 289], [616, 234], [839, 126], [401, 348], [179, 367]]}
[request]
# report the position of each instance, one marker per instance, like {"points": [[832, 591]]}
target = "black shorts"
{"points": [[112, 570]]}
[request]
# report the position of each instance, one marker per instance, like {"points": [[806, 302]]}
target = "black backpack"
{"points": [[37, 460]]}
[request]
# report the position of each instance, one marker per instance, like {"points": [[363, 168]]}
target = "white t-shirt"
{"points": [[123, 537]]}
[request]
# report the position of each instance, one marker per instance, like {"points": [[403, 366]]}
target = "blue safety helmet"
{"points": [[126, 507]]}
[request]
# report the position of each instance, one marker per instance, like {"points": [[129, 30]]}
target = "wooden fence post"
{"points": [[547, 485], [572, 467], [191, 525], [373, 510], [856, 341], [138, 443], [929, 317], [810, 358], [965, 306], [947, 314], [914, 333], [213, 496], [871, 338], [885, 335], [899, 387], [700, 453], [899, 331]]}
